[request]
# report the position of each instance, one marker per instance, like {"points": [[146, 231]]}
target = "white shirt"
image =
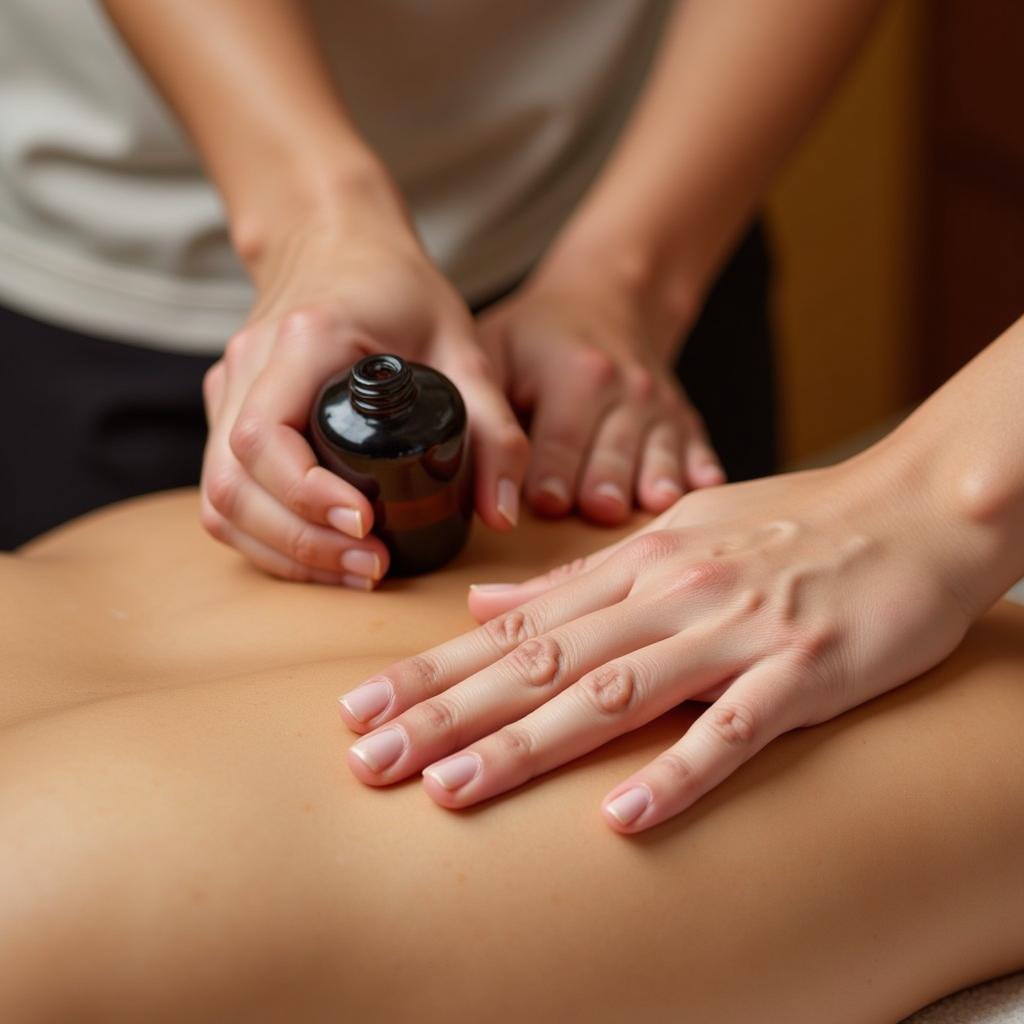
{"points": [[493, 117]]}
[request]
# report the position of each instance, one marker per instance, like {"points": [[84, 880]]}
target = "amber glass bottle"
{"points": [[397, 431]]}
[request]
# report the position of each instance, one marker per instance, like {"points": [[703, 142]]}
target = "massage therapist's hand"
{"points": [[330, 292], [587, 357], [782, 602]]}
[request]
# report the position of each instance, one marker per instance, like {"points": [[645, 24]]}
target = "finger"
{"points": [[499, 446], [253, 512], [489, 599], [266, 435], [213, 391], [569, 406], [525, 678], [753, 710], [415, 679], [660, 483], [606, 488], [702, 466], [271, 561], [619, 696]]}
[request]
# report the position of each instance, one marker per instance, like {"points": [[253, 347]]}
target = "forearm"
{"points": [[248, 82], [733, 87]]}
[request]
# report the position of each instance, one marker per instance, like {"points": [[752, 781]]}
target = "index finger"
{"points": [[412, 680], [267, 437]]}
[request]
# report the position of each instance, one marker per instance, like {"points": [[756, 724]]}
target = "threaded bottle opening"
{"points": [[382, 385]]}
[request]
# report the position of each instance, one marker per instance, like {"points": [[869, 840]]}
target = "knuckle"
{"points": [[295, 496], [708, 574], [423, 673], [222, 489], [593, 368], [512, 442], [813, 642], [509, 630], [212, 379], [305, 321], [247, 437], [652, 548], [303, 545], [439, 715], [514, 743], [640, 383], [678, 769], [567, 571], [611, 689], [238, 348], [733, 723], [537, 661], [213, 523]]}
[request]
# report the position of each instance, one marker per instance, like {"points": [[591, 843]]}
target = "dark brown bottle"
{"points": [[397, 431]]}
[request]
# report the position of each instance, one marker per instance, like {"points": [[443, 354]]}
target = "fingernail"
{"points": [[347, 520], [711, 474], [556, 488], [369, 700], [628, 806], [357, 582], [508, 501], [456, 772], [361, 562], [379, 751], [613, 491], [492, 588], [668, 486]]}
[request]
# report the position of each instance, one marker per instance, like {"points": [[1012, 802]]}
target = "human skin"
{"points": [[583, 348], [180, 838], [782, 601]]}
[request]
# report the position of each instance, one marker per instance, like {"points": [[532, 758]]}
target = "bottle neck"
{"points": [[382, 386]]}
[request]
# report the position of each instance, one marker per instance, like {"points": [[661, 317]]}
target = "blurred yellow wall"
{"points": [[844, 215]]}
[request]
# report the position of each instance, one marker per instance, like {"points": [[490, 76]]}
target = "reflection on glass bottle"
{"points": [[397, 431]]}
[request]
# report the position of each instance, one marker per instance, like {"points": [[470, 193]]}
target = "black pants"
{"points": [[87, 421]]}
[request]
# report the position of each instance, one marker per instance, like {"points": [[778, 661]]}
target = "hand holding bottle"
{"points": [[331, 292]]}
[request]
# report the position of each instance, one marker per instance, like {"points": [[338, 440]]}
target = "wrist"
{"points": [[943, 508], [304, 194], [629, 269]]}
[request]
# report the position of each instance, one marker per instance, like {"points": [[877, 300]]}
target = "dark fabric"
{"points": [[86, 421], [728, 364]]}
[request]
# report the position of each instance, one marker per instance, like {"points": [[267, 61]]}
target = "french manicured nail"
{"points": [[508, 501], [361, 562], [555, 487], [668, 486], [347, 520], [379, 751], [369, 700], [492, 588], [613, 491], [710, 474], [357, 582], [455, 773], [628, 806]]}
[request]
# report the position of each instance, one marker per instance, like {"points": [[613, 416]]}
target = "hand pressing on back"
{"points": [[781, 603], [586, 358]]}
